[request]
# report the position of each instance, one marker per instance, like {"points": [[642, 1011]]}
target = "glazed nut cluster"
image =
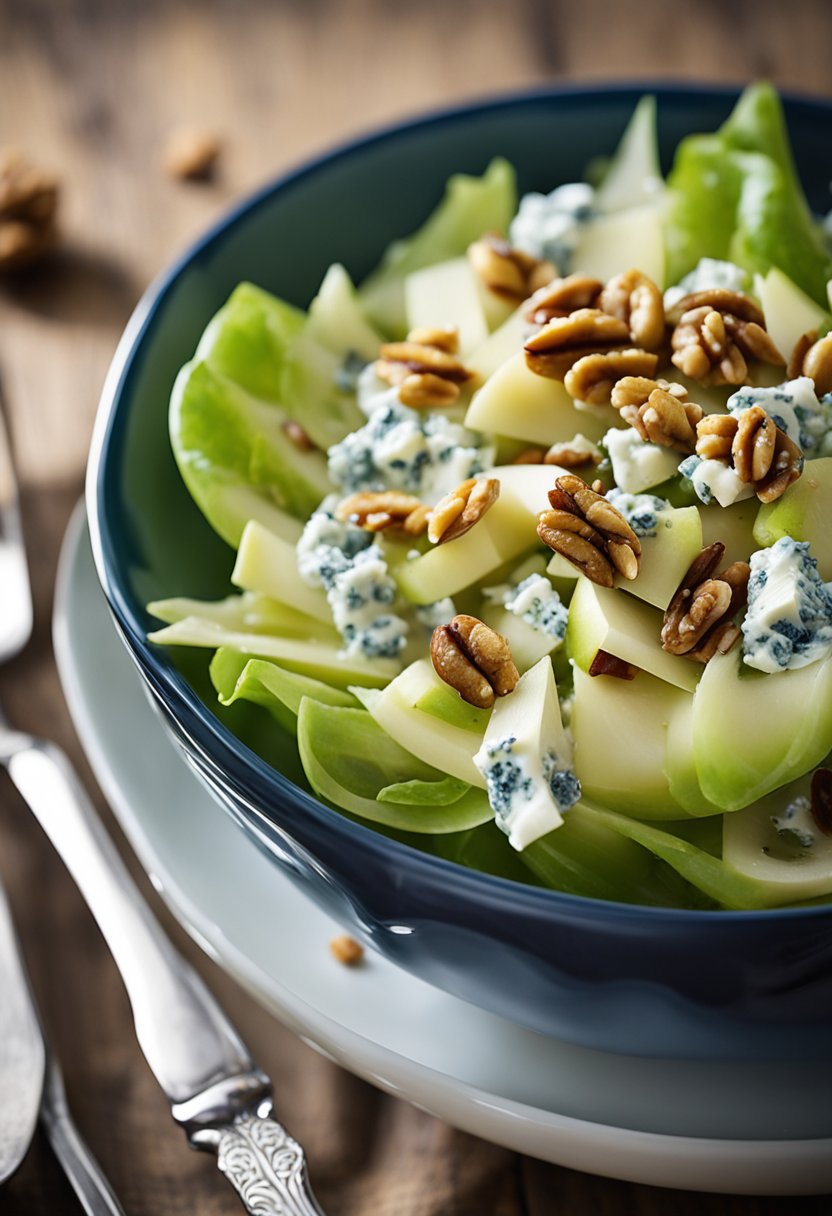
{"points": [[699, 621], [812, 356], [424, 368], [589, 532], [473, 659], [508, 272], [457, 512], [378, 511], [750, 442], [28, 206], [716, 333], [659, 411]]}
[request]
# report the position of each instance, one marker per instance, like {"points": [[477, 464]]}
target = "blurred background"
{"points": [[91, 92]]}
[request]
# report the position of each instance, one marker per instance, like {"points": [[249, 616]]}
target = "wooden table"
{"points": [[91, 88]]}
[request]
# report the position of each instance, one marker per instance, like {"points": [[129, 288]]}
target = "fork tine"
{"points": [[15, 590]]}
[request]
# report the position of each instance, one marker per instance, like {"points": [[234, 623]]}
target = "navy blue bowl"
{"points": [[621, 978]]}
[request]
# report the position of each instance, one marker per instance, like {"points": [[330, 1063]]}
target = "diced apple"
{"points": [[788, 311], [500, 346], [268, 564], [447, 294], [528, 645], [679, 764], [804, 513], [666, 557], [529, 483], [519, 404], [601, 618], [336, 318], [616, 242], [618, 727], [754, 732], [506, 531], [733, 526]]}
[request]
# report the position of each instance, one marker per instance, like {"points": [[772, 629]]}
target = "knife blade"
{"points": [[216, 1092], [22, 1056]]}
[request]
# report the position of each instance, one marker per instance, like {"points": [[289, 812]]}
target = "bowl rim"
{"points": [[171, 688]]}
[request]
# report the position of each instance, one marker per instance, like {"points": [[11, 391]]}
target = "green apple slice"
{"points": [[447, 294], [601, 618], [754, 732], [680, 765], [633, 176], [733, 527], [803, 513], [499, 347], [666, 557], [618, 727], [752, 845], [506, 531], [521, 405], [336, 319], [528, 645], [616, 242], [788, 311], [268, 564]]}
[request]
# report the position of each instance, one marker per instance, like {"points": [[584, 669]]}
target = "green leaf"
{"points": [[469, 207], [425, 793], [237, 677], [236, 458], [349, 760], [736, 196]]}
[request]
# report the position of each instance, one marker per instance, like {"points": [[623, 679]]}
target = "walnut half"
{"points": [[699, 621]]}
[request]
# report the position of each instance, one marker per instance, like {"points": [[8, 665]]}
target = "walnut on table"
{"points": [[28, 208]]}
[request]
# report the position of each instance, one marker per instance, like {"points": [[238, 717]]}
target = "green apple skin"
{"points": [[336, 318], [618, 727], [754, 732], [680, 763], [804, 513], [601, 618]]}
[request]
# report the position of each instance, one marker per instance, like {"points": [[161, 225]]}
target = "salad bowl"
{"points": [[640, 980]]}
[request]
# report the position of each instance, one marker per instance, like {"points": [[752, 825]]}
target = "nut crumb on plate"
{"points": [[346, 950]]}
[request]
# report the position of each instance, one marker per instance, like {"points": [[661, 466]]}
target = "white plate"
{"points": [[735, 1128]]}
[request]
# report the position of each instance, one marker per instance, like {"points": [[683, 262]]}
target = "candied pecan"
{"points": [[530, 456], [589, 532], [427, 392], [298, 436], [474, 660], [507, 271], [445, 337], [754, 446], [560, 344], [812, 356], [457, 512], [716, 333], [634, 298], [591, 379], [424, 367], [605, 664], [659, 411], [821, 799], [28, 203], [347, 950], [562, 297], [191, 153], [375, 511], [573, 454], [699, 620]]}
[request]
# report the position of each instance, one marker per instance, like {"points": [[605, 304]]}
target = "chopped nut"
{"points": [[457, 512], [634, 298], [812, 356], [191, 153], [562, 297], [560, 344], [28, 203], [530, 456], [698, 622], [716, 333], [445, 338], [507, 271], [592, 378], [821, 799], [427, 391], [474, 660], [347, 950], [589, 532], [750, 442], [375, 511], [295, 432], [659, 411], [572, 454], [605, 664]]}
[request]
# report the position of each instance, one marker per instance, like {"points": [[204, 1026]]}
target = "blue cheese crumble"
{"points": [[795, 408], [641, 511], [513, 790], [637, 465], [708, 273], [437, 613], [549, 226], [344, 560], [421, 452], [714, 480], [797, 823], [537, 603], [789, 619]]}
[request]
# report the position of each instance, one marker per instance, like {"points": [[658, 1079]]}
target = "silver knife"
{"points": [[22, 1056], [216, 1092]]}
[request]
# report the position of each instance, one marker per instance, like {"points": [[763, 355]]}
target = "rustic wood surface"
{"points": [[90, 89]]}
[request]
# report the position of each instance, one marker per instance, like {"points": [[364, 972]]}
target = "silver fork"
{"points": [[217, 1094]]}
